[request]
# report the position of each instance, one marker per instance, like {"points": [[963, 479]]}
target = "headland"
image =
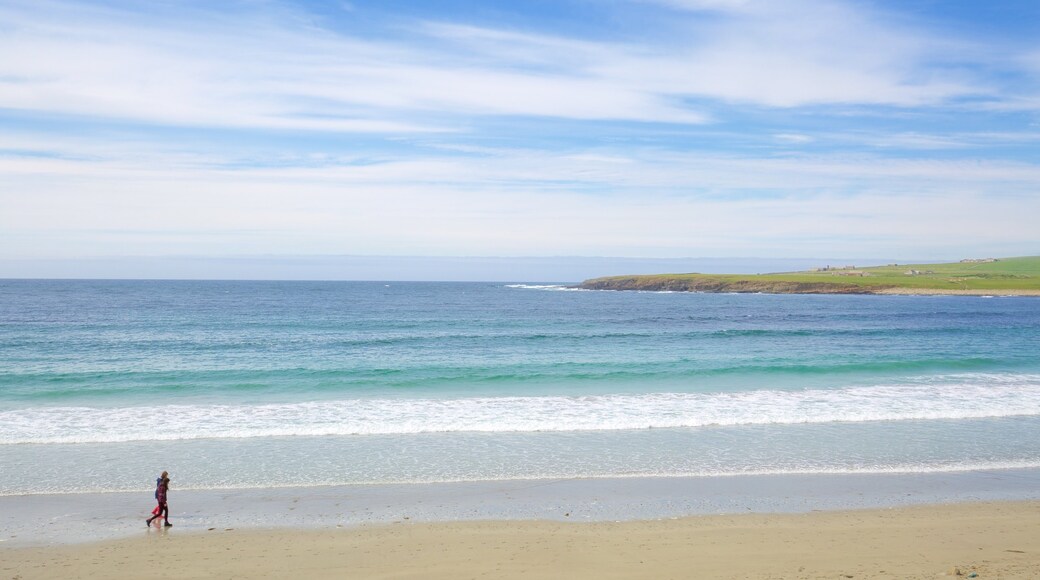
{"points": [[973, 277]]}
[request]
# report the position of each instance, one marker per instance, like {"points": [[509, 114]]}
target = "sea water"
{"points": [[286, 384]]}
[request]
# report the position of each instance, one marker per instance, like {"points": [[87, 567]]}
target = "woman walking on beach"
{"points": [[158, 484], [162, 485]]}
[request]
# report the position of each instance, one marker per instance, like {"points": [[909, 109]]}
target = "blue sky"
{"points": [[633, 128]]}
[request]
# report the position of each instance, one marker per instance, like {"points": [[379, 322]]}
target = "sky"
{"points": [[641, 129]]}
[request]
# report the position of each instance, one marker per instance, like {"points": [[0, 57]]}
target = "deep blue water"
{"points": [[232, 384]]}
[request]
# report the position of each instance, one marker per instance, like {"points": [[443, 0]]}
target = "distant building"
{"points": [[979, 260]]}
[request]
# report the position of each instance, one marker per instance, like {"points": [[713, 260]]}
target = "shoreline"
{"points": [[942, 292], [995, 539], [816, 289], [66, 519]]}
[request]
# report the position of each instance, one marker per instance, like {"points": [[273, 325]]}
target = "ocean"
{"points": [[234, 385]]}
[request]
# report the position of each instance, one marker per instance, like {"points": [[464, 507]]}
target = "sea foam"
{"points": [[957, 397], [550, 287]]}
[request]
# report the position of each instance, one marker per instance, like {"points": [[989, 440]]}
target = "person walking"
{"points": [[158, 484], [162, 485]]}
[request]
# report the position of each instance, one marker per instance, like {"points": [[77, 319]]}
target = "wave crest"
{"points": [[981, 396]]}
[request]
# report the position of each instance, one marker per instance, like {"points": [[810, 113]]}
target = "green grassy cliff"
{"points": [[1000, 276]]}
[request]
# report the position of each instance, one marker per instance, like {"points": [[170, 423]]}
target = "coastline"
{"points": [[1019, 276], [783, 408], [747, 287], [822, 525], [942, 292], [985, 539], [65, 519]]}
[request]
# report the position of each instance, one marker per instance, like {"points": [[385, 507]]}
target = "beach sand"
{"points": [[992, 540]]}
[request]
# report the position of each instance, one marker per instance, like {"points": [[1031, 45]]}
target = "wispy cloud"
{"points": [[246, 68], [514, 202], [214, 69], [706, 5], [794, 138], [724, 127]]}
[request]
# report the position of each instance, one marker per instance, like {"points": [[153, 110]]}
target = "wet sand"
{"points": [[992, 540], [52, 519]]}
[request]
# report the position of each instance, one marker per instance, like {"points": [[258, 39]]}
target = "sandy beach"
{"points": [[991, 540], [467, 430]]}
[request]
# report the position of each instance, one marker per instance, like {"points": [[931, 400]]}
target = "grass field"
{"points": [[1005, 275]]}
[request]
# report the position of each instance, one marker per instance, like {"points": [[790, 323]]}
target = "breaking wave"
{"points": [[974, 396]]}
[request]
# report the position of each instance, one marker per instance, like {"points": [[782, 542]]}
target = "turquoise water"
{"points": [[270, 384]]}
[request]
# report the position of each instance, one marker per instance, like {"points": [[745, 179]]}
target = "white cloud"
{"points": [[254, 73], [513, 202], [793, 138], [281, 71], [809, 52], [912, 140], [705, 5], [649, 193]]}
